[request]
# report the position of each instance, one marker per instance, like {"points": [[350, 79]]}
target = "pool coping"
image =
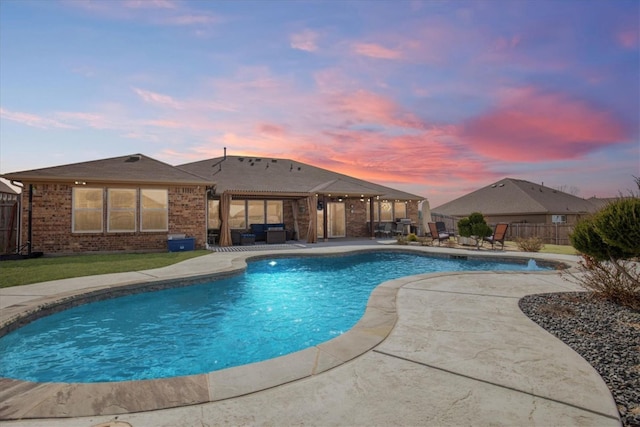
{"points": [[26, 400]]}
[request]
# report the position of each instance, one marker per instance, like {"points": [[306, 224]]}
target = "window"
{"points": [[275, 212], [213, 214], [376, 211], [87, 210], [400, 209], [237, 214], [121, 210], [386, 211], [256, 211], [154, 210]]}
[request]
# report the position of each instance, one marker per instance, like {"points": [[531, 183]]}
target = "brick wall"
{"points": [[52, 216]]}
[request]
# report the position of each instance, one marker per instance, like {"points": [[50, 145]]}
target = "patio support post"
{"points": [[30, 221], [312, 208], [225, 229], [371, 217], [325, 219]]}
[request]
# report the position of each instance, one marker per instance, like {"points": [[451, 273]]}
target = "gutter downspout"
{"points": [[30, 224]]}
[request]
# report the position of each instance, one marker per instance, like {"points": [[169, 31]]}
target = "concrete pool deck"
{"points": [[433, 349]]}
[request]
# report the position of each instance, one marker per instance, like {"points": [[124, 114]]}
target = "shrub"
{"points": [[412, 237], [474, 225], [617, 282], [530, 244], [608, 242]]}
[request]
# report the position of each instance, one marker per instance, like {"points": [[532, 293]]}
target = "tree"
{"points": [[609, 242], [474, 225]]}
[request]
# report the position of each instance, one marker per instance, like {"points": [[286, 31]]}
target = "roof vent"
{"points": [[501, 185], [133, 158]]}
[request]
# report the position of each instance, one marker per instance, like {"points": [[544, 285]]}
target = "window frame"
{"points": [[144, 210], [280, 209], [133, 209], [403, 206], [75, 210], [213, 214]]}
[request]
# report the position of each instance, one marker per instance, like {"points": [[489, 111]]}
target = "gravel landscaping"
{"points": [[605, 334]]}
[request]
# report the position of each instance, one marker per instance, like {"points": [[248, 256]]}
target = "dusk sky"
{"points": [[437, 98]]}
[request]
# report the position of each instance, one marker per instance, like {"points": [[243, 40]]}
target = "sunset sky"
{"points": [[437, 98]]}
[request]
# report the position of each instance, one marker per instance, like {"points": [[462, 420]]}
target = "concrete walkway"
{"points": [[460, 352]]}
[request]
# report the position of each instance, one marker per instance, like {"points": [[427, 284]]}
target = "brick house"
{"points": [[519, 201], [530, 209], [128, 203], [312, 202], [132, 203]]}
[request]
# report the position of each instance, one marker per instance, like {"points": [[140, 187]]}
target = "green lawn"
{"points": [[24, 272]]}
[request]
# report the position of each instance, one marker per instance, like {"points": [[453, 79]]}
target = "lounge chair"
{"points": [[435, 235], [499, 234]]}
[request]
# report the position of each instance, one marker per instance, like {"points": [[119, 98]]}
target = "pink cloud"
{"points": [[33, 120], [373, 50], [306, 40], [628, 38], [188, 19], [164, 123], [156, 12], [94, 120], [270, 129], [157, 99], [367, 107], [531, 125], [149, 4]]}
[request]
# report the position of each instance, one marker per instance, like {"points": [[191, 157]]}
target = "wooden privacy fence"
{"points": [[553, 234], [8, 225]]}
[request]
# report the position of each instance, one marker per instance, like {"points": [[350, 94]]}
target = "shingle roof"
{"points": [[271, 175], [516, 197], [135, 168]]}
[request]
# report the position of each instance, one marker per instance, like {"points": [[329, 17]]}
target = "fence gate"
{"points": [[8, 225]]}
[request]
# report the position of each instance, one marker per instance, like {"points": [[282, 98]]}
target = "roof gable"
{"points": [[135, 168], [272, 175], [516, 197]]}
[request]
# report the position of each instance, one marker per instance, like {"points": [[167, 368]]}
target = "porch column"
{"points": [[225, 229]]}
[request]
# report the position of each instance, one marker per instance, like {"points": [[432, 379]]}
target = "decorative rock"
{"points": [[605, 334]]}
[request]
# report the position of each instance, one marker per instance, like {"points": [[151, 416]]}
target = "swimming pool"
{"points": [[276, 307]]}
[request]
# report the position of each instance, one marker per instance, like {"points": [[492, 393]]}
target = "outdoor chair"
{"points": [[442, 229], [435, 235], [384, 230], [399, 230], [499, 234]]}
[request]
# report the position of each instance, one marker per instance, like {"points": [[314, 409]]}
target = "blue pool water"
{"points": [[276, 307]]}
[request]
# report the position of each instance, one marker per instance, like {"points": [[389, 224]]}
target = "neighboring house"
{"points": [[8, 218], [132, 203], [312, 202], [518, 201], [128, 203]]}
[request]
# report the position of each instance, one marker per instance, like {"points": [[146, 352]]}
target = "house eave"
{"points": [[94, 180]]}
